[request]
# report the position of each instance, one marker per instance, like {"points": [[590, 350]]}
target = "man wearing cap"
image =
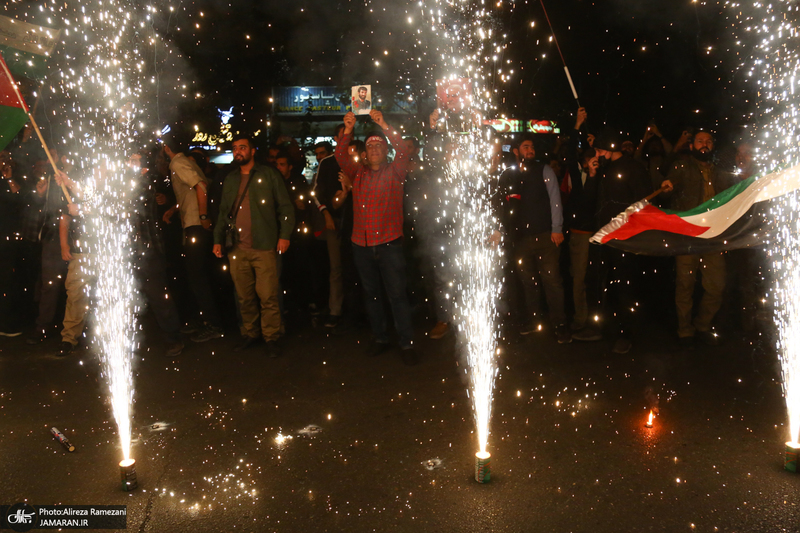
{"points": [[377, 235], [623, 182]]}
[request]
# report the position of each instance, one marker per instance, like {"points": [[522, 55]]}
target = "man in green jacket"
{"points": [[255, 202], [692, 181]]}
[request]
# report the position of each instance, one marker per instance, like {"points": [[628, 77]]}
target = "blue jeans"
{"points": [[385, 262]]}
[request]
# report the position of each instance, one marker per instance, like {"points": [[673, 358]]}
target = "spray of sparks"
{"points": [[463, 30], [101, 82], [775, 64]]}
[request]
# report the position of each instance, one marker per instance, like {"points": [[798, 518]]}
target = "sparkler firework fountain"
{"points": [[464, 35], [102, 85], [775, 66]]}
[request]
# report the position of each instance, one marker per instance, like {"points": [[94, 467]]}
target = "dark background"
{"points": [[672, 61]]}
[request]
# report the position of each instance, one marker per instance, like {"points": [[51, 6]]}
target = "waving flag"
{"points": [[738, 217], [13, 111], [26, 47]]}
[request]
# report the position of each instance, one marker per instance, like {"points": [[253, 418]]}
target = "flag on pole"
{"points": [[738, 217], [26, 47], [13, 110]]}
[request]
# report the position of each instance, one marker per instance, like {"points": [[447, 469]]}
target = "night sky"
{"points": [[672, 61]]}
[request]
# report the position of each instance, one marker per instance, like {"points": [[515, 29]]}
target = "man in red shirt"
{"points": [[377, 188]]}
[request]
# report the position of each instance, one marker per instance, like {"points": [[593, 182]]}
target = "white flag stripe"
{"points": [[762, 189]]}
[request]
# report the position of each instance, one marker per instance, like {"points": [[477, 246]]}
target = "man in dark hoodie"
{"points": [[624, 181], [690, 182]]}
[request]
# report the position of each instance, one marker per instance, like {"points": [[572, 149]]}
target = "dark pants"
{"points": [[536, 259], [10, 286], [619, 271], [353, 300], [151, 271], [385, 262], [54, 272], [197, 245]]}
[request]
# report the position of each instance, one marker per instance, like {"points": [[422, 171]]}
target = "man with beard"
{"points": [[532, 217], [256, 203], [691, 182]]}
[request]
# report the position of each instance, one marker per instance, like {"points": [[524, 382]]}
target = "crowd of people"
{"points": [[258, 246]]}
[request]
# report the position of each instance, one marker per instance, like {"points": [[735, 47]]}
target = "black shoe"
{"points": [[207, 333], [377, 348], [332, 321], [272, 351], [410, 357], [247, 343], [65, 349], [622, 346], [174, 349], [587, 334], [314, 310], [563, 335], [710, 338], [35, 338]]}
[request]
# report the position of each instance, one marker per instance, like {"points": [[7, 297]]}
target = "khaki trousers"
{"points": [[255, 276], [77, 299], [712, 268]]}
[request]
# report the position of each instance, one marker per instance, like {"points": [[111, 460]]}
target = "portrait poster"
{"points": [[361, 99]]}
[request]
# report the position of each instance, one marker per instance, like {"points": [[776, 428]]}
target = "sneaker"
{"points": [[587, 334], [710, 338], [191, 327], [439, 330], [10, 332], [273, 351], [563, 334], [410, 357], [332, 321], [174, 349], [35, 338], [377, 348], [247, 343], [207, 333], [622, 346], [65, 349]]}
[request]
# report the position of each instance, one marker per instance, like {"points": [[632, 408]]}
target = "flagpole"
{"points": [[656, 193], [35, 126]]}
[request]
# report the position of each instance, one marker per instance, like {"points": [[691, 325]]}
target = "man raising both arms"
{"points": [[377, 189]]}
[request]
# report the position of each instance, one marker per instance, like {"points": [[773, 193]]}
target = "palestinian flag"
{"points": [[26, 47], [13, 111], [738, 217]]}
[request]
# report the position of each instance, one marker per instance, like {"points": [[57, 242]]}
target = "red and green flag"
{"points": [[26, 47], [742, 216], [13, 111]]}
